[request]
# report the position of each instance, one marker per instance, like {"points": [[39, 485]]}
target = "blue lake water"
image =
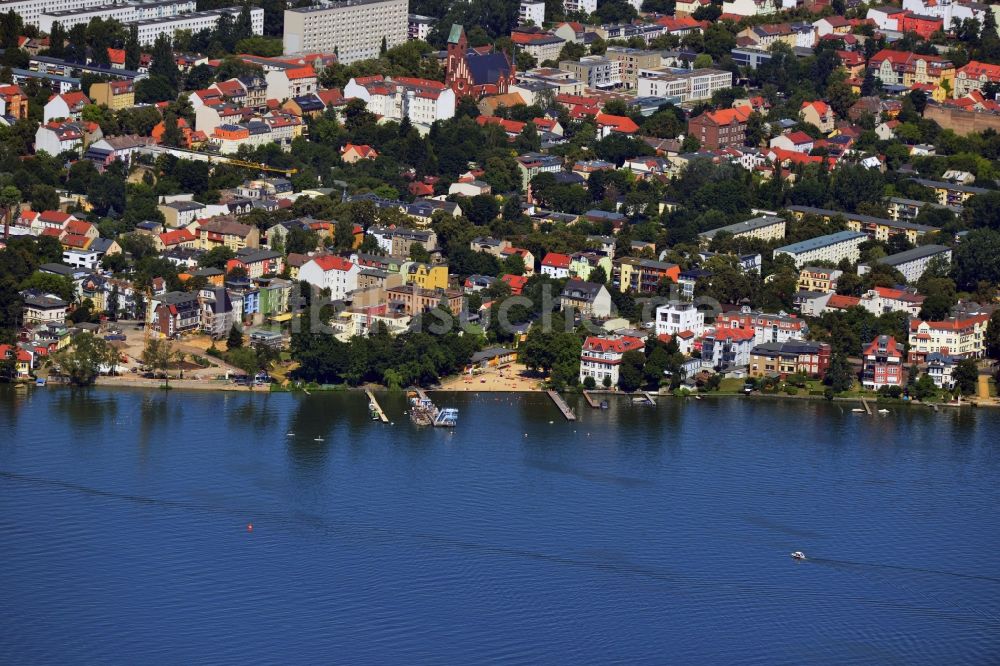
{"points": [[636, 535]]}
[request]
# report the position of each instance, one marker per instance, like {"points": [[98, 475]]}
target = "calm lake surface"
{"points": [[649, 535]]}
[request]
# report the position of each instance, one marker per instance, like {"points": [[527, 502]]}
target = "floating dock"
{"points": [[424, 412], [375, 407], [561, 404]]}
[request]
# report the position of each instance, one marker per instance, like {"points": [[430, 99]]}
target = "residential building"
{"points": [[13, 101], [425, 276], [83, 12], [582, 264], [412, 300], [601, 356], [765, 227], [832, 248], [727, 348], [532, 164], [951, 194], [689, 86], [766, 327], [819, 114], [531, 12], [150, 29], [57, 137], [912, 263], [631, 62], [292, 83], [65, 106], [226, 232], [876, 228], [974, 76], [882, 363], [678, 316], [115, 95], [337, 274], [907, 209], [960, 337], [597, 72], [257, 262], [941, 368], [585, 299], [720, 129], [42, 309], [419, 27], [643, 276], [882, 300], [796, 142], [952, 12], [815, 278], [173, 313], [354, 29], [353, 153], [556, 265], [218, 314], [421, 100], [903, 68], [580, 6], [780, 359]]}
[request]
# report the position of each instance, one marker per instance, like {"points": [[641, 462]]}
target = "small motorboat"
{"points": [[798, 555], [317, 439], [857, 410], [883, 411]]}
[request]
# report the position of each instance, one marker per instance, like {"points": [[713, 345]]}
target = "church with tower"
{"points": [[476, 72]]}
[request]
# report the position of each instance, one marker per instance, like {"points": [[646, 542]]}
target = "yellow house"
{"points": [[426, 276], [814, 278], [628, 273], [220, 231], [115, 95]]}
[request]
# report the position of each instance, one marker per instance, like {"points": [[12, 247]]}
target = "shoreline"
{"points": [[227, 386]]}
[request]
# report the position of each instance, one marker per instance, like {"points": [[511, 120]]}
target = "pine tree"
{"points": [[243, 27], [57, 41], [133, 52], [172, 135], [235, 339], [163, 64]]}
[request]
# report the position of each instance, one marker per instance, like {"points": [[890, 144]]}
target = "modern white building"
{"points": [[150, 29], [679, 316], [832, 248], [418, 27], [130, 12], [598, 72], [353, 29], [690, 86], [912, 263], [421, 100], [338, 275], [585, 6], [32, 10], [531, 11]]}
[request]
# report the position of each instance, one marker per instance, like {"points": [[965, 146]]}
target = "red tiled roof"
{"points": [[620, 345], [842, 302], [556, 260], [333, 263], [622, 124]]}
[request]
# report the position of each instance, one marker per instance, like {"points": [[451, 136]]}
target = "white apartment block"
{"points": [[679, 316], [418, 27], [353, 29], [195, 22], [531, 11], [422, 101], [597, 72], [692, 86], [585, 6], [951, 11], [912, 263], [832, 248], [32, 10], [123, 13]]}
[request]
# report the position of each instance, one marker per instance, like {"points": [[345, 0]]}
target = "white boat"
{"points": [[857, 409], [798, 555], [883, 411]]}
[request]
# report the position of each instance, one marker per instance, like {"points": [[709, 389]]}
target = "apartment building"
{"points": [[130, 12], [421, 100], [531, 11], [692, 86], [720, 129], [876, 228], [950, 194], [354, 29], [765, 227], [780, 359], [912, 263], [632, 61], [903, 68], [959, 337], [150, 29], [974, 76], [818, 279], [832, 248], [597, 72], [882, 363]]}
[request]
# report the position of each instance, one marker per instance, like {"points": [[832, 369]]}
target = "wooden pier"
{"points": [[377, 408], [590, 400], [561, 404], [649, 397], [868, 409]]}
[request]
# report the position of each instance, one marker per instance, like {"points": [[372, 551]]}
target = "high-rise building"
{"points": [[354, 29]]}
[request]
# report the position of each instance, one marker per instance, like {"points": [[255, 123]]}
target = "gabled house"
{"points": [[600, 357], [337, 274], [819, 114], [882, 363], [65, 106], [585, 299]]}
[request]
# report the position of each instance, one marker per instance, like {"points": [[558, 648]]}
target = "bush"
{"points": [[589, 383], [828, 393], [791, 390], [893, 392]]}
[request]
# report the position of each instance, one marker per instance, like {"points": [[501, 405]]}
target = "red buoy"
{"points": [[249, 527]]}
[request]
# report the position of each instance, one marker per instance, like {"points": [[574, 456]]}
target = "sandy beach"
{"points": [[515, 377]]}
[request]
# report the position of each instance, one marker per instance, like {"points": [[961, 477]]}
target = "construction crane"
{"points": [[255, 165]]}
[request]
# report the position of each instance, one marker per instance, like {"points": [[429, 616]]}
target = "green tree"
{"points": [[82, 361], [992, 341], [235, 339], [159, 354], [630, 371], [839, 376], [966, 376]]}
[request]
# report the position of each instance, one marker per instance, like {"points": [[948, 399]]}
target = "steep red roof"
{"points": [[333, 263], [622, 124], [515, 282], [619, 345], [556, 260], [842, 302]]}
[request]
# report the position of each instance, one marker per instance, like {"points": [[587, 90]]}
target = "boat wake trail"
{"points": [[898, 567]]}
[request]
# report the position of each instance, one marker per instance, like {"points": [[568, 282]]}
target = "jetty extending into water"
{"points": [[590, 400], [868, 409], [563, 407], [375, 407]]}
